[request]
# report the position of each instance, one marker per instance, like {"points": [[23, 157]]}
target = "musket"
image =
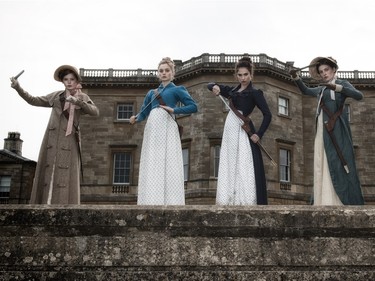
{"points": [[258, 142], [308, 66], [301, 68]]}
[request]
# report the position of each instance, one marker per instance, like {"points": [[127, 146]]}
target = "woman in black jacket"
{"points": [[241, 178]]}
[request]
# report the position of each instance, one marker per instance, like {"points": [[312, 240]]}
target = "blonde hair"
{"points": [[169, 61]]}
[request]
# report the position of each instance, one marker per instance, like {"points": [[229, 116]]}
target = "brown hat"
{"points": [[318, 61], [56, 75]]}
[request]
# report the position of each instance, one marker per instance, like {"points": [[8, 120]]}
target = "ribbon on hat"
{"points": [[70, 107]]}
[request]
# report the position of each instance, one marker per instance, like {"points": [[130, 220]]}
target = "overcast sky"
{"points": [[39, 35]]}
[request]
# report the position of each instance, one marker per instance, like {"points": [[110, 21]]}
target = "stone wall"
{"points": [[187, 243]]}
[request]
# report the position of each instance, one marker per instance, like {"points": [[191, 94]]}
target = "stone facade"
{"points": [[16, 172], [294, 132]]}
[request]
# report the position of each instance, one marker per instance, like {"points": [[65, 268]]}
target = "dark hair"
{"points": [[247, 63], [65, 72], [329, 62]]}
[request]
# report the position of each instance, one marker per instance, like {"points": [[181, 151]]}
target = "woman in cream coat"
{"points": [[57, 176]]}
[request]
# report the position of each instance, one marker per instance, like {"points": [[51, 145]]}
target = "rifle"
{"points": [[330, 125]]}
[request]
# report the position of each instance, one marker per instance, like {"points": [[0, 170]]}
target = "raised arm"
{"points": [[36, 101]]}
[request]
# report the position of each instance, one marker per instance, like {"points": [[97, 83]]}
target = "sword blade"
{"points": [[258, 142], [19, 74]]}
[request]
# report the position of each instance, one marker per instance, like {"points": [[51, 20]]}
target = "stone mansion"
{"points": [[111, 146]]}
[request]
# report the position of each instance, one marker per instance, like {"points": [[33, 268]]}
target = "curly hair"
{"points": [[169, 61]]}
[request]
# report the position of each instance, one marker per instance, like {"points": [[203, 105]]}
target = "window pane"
{"points": [[283, 106], [347, 111], [122, 164], [185, 159], [284, 168], [124, 111], [216, 160], [5, 181], [4, 187]]}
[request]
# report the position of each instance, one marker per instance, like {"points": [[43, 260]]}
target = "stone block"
{"points": [[187, 243]]}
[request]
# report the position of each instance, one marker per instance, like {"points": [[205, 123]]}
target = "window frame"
{"points": [[289, 146], [117, 112], [3, 198], [130, 149], [348, 111], [214, 157], [286, 107], [288, 165], [186, 165], [216, 160]]}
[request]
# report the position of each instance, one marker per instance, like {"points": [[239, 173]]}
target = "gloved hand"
{"points": [[329, 86], [133, 119], [214, 88], [293, 73], [15, 84], [72, 99], [211, 85]]}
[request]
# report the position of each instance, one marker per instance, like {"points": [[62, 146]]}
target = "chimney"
{"points": [[13, 143]]}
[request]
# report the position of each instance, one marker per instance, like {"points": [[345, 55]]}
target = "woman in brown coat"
{"points": [[57, 176]]}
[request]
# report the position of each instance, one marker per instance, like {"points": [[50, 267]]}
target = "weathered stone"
{"points": [[187, 243]]}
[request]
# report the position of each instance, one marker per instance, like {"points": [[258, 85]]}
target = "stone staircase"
{"points": [[92, 242]]}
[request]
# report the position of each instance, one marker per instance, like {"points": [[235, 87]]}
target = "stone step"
{"points": [[115, 242]]}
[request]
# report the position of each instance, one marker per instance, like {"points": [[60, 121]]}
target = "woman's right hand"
{"points": [[132, 119], [216, 90], [15, 84], [294, 73]]}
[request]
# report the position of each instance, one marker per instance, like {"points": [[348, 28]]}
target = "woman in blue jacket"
{"points": [[161, 176]]}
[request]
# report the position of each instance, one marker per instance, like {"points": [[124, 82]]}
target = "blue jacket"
{"points": [[171, 95]]}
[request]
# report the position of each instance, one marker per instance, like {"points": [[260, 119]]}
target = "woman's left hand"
{"points": [[254, 138], [167, 108], [72, 99], [329, 86], [133, 119]]}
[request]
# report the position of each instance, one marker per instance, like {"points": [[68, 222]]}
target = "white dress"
{"points": [[161, 175], [236, 179], [324, 192]]}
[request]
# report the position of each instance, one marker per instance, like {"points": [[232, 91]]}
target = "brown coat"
{"points": [[57, 176]]}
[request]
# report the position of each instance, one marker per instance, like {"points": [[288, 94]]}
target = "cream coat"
{"points": [[57, 176]]}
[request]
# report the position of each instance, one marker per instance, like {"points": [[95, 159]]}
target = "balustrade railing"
{"points": [[120, 189], [117, 73], [261, 60]]}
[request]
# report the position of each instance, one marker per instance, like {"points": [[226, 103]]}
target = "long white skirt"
{"points": [[324, 192], [161, 175], [236, 179]]}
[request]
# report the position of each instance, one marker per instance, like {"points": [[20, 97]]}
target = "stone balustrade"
{"points": [[214, 60]]}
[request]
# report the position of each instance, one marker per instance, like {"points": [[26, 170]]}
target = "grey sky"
{"points": [[40, 35]]}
